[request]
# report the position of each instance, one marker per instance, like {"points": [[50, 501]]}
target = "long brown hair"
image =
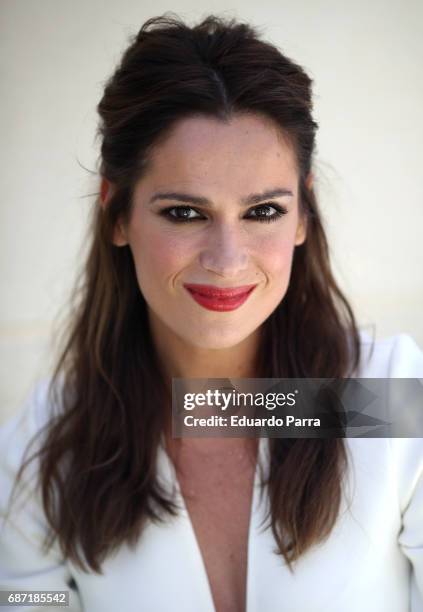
{"points": [[97, 471]]}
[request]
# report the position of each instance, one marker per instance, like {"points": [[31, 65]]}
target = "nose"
{"points": [[225, 252]]}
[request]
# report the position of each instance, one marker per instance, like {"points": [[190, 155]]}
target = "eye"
{"points": [[181, 214], [267, 212], [187, 214]]}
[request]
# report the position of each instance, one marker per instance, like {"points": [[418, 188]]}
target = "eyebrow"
{"points": [[253, 198]]}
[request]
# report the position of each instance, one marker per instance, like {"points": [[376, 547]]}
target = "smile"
{"points": [[218, 298]]}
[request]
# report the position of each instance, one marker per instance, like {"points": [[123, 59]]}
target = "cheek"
{"points": [[160, 255], [276, 253], [157, 254]]}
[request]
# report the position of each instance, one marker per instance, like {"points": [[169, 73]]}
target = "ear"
{"points": [[301, 232], [309, 181], [107, 189]]}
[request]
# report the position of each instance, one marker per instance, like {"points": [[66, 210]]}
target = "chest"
{"points": [[359, 567], [218, 501]]}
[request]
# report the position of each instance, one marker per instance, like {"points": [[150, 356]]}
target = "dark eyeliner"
{"points": [[279, 212], [165, 212]]}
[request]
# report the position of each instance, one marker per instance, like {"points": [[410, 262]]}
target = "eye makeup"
{"points": [[264, 215]]}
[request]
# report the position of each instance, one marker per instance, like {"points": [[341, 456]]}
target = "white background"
{"points": [[366, 61]]}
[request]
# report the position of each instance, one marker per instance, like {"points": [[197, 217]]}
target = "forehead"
{"points": [[246, 154]]}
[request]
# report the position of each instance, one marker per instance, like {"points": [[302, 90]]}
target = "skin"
{"points": [[224, 162]]}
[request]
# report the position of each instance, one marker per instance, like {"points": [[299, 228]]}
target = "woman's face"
{"points": [[217, 207]]}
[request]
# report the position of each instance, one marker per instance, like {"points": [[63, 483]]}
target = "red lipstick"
{"points": [[219, 298]]}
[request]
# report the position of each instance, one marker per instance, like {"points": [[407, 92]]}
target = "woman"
{"points": [[209, 260]]}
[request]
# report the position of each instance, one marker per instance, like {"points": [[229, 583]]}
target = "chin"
{"points": [[217, 339]]}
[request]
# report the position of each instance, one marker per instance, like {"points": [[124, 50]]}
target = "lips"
{"points": [[219, 298]]}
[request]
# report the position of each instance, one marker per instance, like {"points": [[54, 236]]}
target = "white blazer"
{"points": [[371, 562]]}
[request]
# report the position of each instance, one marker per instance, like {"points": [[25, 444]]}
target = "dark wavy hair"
{"points": [[97, 461]]}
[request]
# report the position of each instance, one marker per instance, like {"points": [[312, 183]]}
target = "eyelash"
{"points": [[279, 212]]}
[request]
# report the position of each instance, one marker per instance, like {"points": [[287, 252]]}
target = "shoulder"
{"points": [[31, 417], [397, 356], [18, 434], [24, 528]]}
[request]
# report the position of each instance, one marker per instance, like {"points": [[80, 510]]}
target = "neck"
{"points": [[179, 359]]}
